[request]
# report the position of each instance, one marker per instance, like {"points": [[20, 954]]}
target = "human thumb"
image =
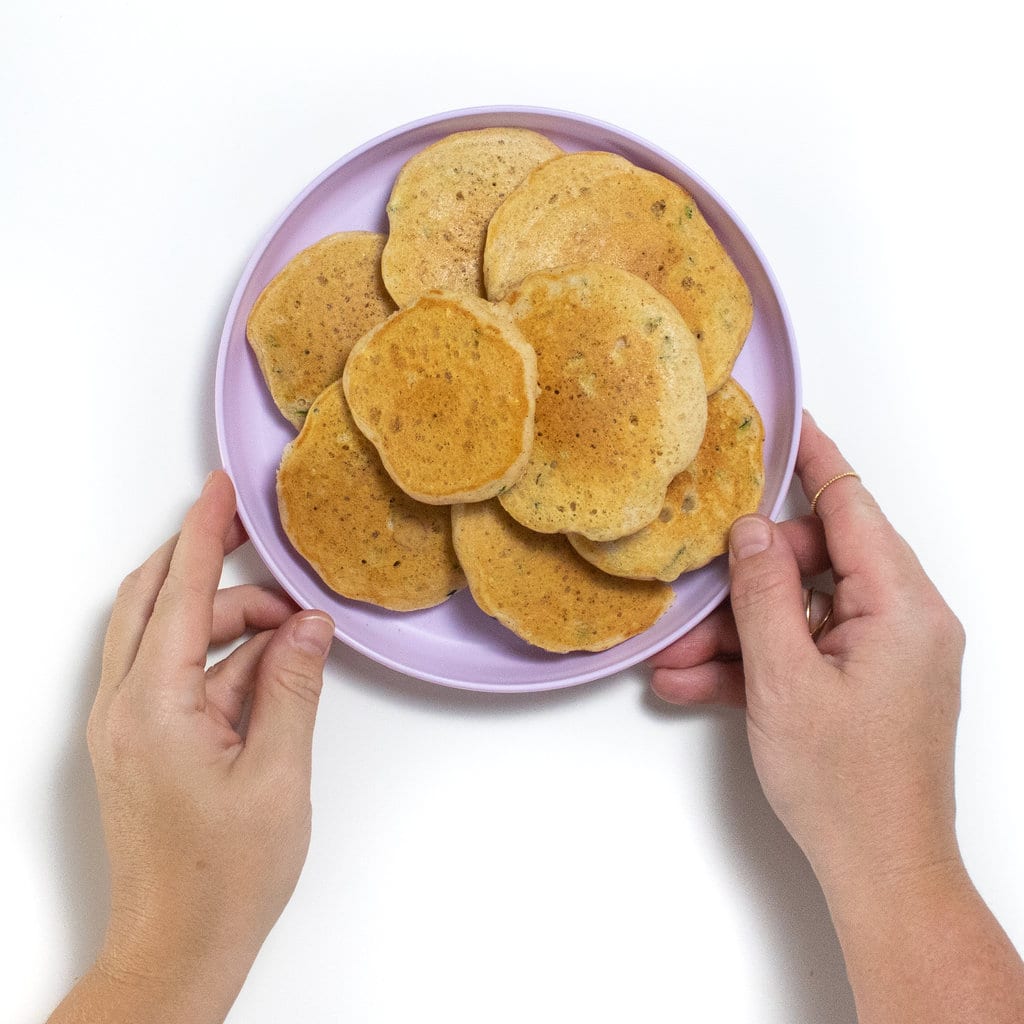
{"points": [[288, 684], [767, 601]]}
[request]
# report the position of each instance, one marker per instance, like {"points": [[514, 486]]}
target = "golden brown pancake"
{"points": [[538, 587], [307, 319], [725, 481], [621, 408], [365, 538], [442, 201], [445, 389], [599, 207]]}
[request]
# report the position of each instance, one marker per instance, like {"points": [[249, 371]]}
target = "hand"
{"points": [[852, 738], [853, 742], [203, 773]]}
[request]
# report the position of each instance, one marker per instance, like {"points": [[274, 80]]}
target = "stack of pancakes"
{"points": [[524, 386]]}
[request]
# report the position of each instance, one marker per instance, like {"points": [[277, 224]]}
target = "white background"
{"points": [[590, 854]]}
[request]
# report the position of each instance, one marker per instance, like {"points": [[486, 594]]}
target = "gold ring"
{"points": [[815, 630], [825, 485]]}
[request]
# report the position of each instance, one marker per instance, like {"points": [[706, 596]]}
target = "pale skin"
{"points": [[853, 742], [203, 773]]}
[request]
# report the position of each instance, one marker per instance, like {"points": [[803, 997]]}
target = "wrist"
{"points": [[111, 993], [893, 889], [876, 887], [920, 944], [167, 996], [173, 966], [879, 849]]}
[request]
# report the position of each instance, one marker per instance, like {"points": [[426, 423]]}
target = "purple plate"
{"points": [[455, 644]]}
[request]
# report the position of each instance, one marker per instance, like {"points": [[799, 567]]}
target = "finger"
{"points": [[767, 602], [714, 682], [236, 536], [229, 683], [132, 609], [287, 692], [237, 610], [806, 536], [134, 603], [819, 612], [713, 638], [178, 633], [861, 541]]}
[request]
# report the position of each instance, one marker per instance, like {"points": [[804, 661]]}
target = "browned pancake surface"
{"points": [[599, 207], [725, 481], [305, 322], [442, 201], [538, 587], [364, 537], [621, 407], [446, 390]]}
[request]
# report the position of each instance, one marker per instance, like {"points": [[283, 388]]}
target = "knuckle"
{"points": [[179, 587], [118, 737], [143, 577], [296, 681], [752, 590], [947, 627], [130, 584], [109, 736], [959, 633], [929, 618]]}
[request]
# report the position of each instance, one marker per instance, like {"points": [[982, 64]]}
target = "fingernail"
{"points": [[749, 536], [313, 633], [209, 477]]}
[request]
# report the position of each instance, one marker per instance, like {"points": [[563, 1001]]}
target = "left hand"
{"points": [[203, 773]]}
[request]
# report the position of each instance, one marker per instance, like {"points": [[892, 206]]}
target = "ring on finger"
{"points": [[816, 629], [826, 485]]}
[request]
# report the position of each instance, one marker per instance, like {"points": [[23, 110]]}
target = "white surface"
{"points": [[587, 855]]}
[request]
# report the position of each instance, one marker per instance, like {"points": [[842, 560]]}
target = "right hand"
{"points": [[852, 737]]}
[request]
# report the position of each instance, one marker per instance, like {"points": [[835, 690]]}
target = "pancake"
{"points": [[445, 389], [365, 538], [725, 481], [621, 408], [442, 201], [584, 207], [307, 319], [536, 585]]}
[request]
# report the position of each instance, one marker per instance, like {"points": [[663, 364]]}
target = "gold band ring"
{"points": [[815, 630], [828, 483]]}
